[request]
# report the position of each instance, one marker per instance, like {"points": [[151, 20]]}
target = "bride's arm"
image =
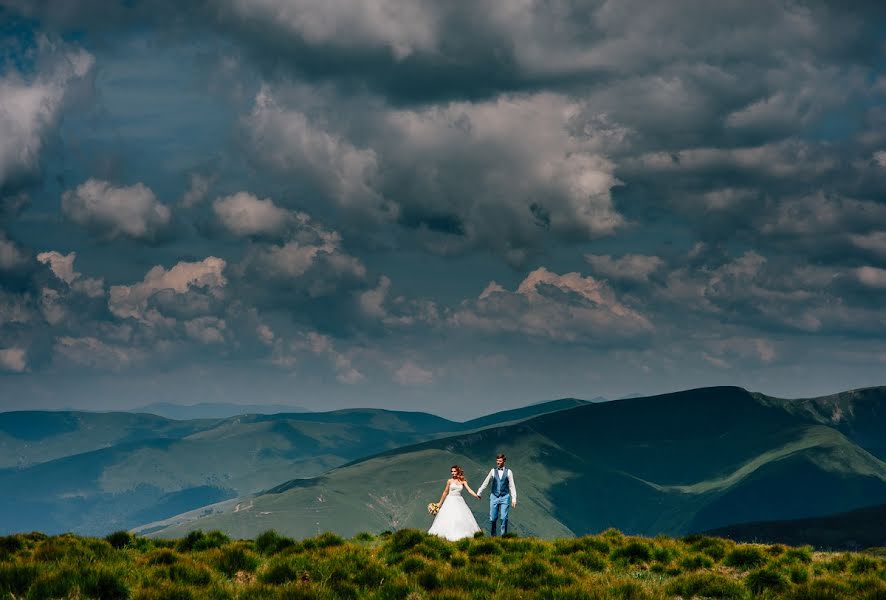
{"points": [[467, 487], [445, 492]]}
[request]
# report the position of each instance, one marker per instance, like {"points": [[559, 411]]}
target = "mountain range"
{"points": [[91, 473], [674, 463], [213, 410]]}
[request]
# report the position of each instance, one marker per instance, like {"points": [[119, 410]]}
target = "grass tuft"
{"points": [[745, 557], [766, 580], [270, 543], [119, 539]]}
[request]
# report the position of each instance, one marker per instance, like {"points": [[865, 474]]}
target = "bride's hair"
{"points": [[459, 472]]}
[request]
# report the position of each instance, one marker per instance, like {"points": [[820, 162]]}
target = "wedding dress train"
{"points": [[455, 519]]}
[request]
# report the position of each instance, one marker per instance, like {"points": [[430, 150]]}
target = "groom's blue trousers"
{"points": [[499, 505]]}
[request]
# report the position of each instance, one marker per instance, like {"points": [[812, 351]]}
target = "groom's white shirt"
{"points": [[501, 473]]}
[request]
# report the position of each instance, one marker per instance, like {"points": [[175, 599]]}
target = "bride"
{"points": [[455, 520]]}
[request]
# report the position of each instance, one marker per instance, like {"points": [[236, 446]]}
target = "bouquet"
{"points": [[433, 508]]}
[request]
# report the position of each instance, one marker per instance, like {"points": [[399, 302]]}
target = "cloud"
{"points": [[88, 351], [821, 213], [207, 330], [243, 214], [871, 276], [16, 309], [771, 294], [631, 267], [62, 266], [204, 278], [500, 174], [411, 374], [114, 212], [312, 261], [199, 185], [789, 158], [285, 355], [561, 308], [398, 26], [30, 106], [13, 359], [12, 256], [503, 174], [874, 241], [728, 352], [377, 305], [288, 142]]}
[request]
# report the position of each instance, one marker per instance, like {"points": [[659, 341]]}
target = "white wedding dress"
{"points": [[455, 520]]}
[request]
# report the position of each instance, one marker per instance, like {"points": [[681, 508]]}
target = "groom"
{"points": [[502, 493]]}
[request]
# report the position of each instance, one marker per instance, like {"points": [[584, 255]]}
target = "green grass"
{"points": [[410, 565]]}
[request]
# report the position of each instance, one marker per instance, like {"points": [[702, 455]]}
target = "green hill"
{"points": [[188, 464], [673, 464]]}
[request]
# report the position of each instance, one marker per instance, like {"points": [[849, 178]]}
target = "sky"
{"points": [[455, 207]]}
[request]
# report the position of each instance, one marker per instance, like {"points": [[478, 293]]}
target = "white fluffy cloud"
{"points": [[112, 212], [13, 359], [243, 214], [287, 141], [312, 259], [29, 110], [62, 266], [562, 308], [206, 276], [631, 267], [871, 276]]}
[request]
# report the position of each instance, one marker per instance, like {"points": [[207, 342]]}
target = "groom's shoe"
{"points": [[492, 529]]}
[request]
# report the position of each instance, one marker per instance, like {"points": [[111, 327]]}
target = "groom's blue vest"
{"points": [[500, 485]]}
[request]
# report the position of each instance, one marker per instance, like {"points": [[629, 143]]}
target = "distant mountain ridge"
{"points": [[214, 410], [673, 463], [87, 472]]}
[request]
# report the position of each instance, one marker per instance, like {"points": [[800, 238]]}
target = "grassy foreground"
{"points": [[409, 564]]}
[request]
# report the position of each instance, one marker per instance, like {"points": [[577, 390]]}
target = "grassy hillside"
{"points": [[409, 565], [861, 528], [859, 414], [188, 464], [672, 464]]}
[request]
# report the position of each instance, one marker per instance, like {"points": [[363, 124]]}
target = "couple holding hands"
{"points": [[455, 520]]}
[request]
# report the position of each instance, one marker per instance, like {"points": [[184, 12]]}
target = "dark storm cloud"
{"points": [[418, 50], [540, 133]]}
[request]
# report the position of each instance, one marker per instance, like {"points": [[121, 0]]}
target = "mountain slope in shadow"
{"points": [[673, 464], [852, 530]]}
